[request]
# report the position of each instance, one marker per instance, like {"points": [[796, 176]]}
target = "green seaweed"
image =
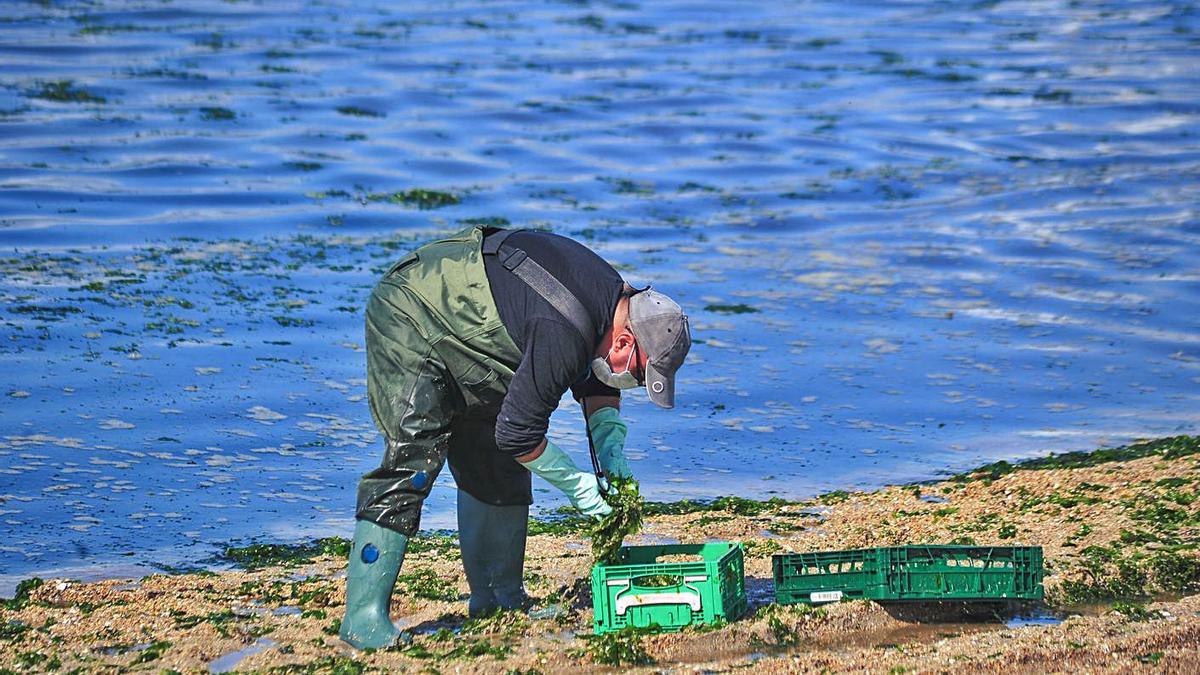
{"points": [[740, 308], [819, 43], [217, 114], [422, 199], [214, 41], [442, 543], [303, 166], [328, 665], [783, 635], [624, 186], [65, 91], [508, 623], [35, 662], [888, 57], [834, 497], [292, 321], [691, 186], [761, 548], [86, 608], [473, 649], [1135, 611], [13, 630], [460, 647], [1172, 447], [327, 194], [709, 519], [355, 111], [728, 504], [1124, 570], [257, 556], [621, 648], [783, 624], [20, 598], [218, 620], [487, 221], [145, 73], [626, 518], [109, 29], [658, 581], [559, 525], [45, 313], [1047, 94], [425, 583], [152, 653]]}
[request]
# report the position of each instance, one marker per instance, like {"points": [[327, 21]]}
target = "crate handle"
{"points": [[626, 601]]}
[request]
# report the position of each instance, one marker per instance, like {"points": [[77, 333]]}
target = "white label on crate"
{"points": [[825, 596]]}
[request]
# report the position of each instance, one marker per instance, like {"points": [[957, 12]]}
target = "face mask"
{"points": [[622, 380]]}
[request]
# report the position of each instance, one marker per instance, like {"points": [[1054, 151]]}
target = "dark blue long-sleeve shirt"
{"points": [[554, 356]]}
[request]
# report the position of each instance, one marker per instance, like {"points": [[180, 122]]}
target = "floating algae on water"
{"points": [[626, 518]]}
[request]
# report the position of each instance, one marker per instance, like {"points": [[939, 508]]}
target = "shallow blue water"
{"points": [[912, 238]]}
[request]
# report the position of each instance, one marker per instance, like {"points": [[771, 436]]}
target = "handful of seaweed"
{"points": [[626, 518]]}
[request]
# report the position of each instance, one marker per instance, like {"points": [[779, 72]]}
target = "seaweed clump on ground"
{"points": [[621, 648], [1172, 447], [259, 556], [625, 498]]}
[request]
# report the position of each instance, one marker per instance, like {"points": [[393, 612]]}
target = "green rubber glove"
{"points": [[579, 486], [608, 434]]}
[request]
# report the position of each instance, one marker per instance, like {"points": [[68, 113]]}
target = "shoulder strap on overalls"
{"points": [[552, 290]]}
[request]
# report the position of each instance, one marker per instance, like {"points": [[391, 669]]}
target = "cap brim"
{"points": [[660, 386]]}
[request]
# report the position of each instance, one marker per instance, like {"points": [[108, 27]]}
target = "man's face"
{"points": [[624, 351]]}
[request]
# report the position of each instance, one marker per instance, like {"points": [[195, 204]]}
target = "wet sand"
{"points": [[1125, 522]]}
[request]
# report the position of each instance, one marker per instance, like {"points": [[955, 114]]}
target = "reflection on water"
{"points": [[1043, 619], [912, 238]]}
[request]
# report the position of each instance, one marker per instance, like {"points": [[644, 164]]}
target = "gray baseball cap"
{"points": [[661, 329]]}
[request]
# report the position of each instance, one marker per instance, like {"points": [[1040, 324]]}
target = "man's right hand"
{"points": [[579, 486], [608, 435], [588, 499]]}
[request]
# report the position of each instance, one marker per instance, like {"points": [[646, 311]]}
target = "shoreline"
{"points": [[1118, 527]]}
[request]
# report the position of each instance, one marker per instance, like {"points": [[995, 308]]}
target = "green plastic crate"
{"points": [[708, 590], [931, 572]]}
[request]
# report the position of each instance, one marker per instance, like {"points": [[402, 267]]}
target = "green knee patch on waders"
{"points": [[439, 362]]}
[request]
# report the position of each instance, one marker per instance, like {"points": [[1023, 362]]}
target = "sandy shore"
{"points": [[1109, 528]]}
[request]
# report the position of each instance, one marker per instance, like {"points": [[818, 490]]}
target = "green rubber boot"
{"points": [[375, 560]]}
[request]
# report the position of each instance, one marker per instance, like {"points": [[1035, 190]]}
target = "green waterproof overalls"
{"points": [[439, 362]]}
